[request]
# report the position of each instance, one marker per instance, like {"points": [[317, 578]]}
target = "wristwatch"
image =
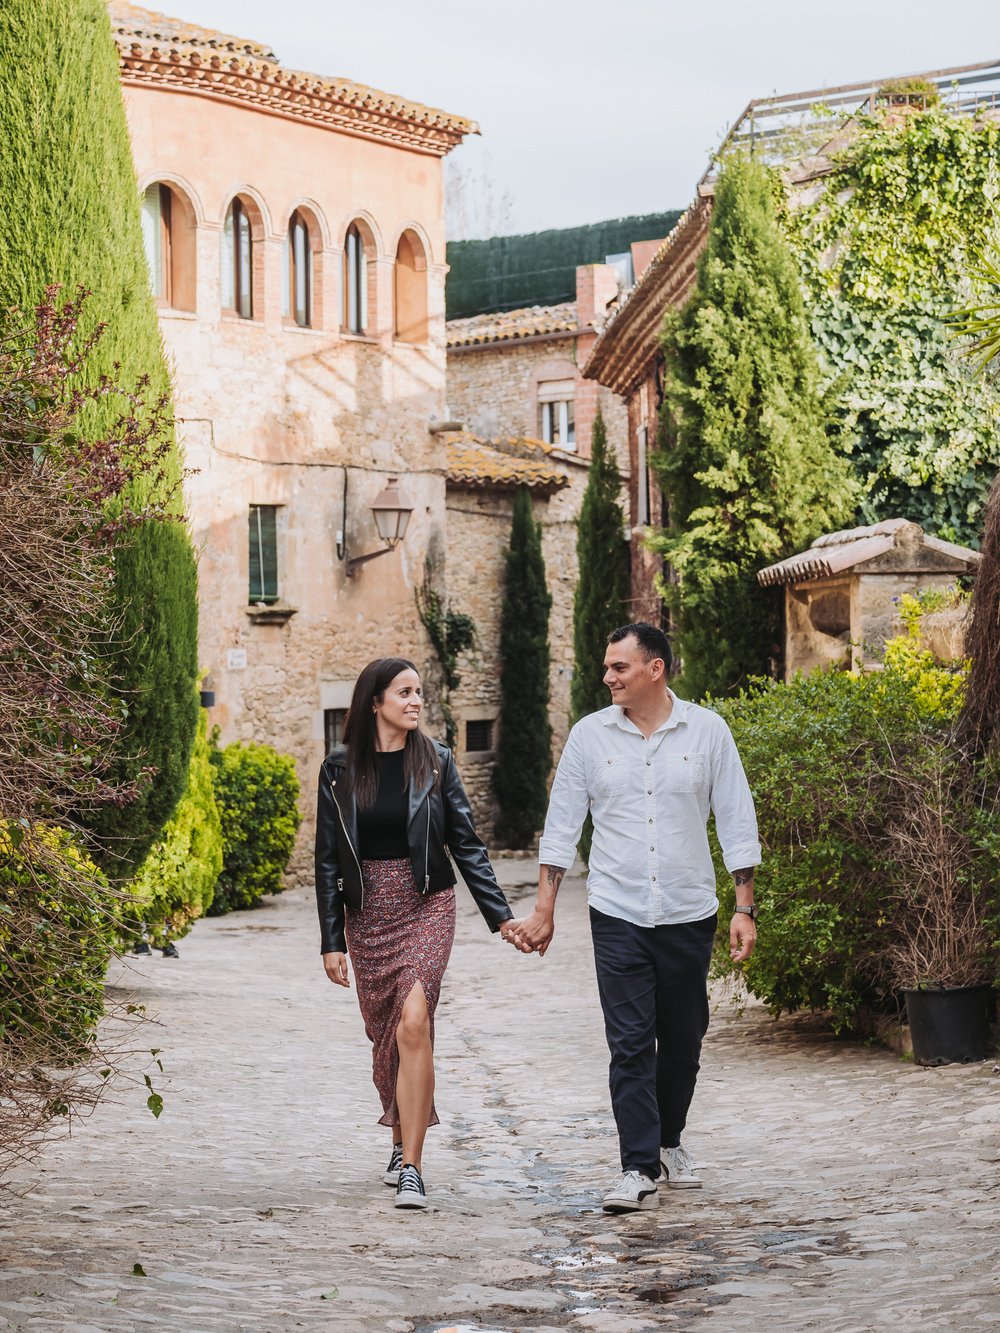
{"points": [[750, 911]]}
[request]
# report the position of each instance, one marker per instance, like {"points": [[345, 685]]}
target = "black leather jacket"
{"points": [[440, 822]]}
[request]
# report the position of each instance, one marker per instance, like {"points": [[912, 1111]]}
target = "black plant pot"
{"points": [[948, 1026]]}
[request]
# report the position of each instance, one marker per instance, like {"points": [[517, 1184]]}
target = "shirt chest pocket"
{"points": [[683, 772], [611, 776]]}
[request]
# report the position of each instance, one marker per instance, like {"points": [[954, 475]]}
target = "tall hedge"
{"points": [[749, 474], [69, 214], [524, 746], [600, 603]]}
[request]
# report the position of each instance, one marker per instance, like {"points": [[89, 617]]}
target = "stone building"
{"points": [[516, 385], [800, 133], [841, 593], [295, 232]]}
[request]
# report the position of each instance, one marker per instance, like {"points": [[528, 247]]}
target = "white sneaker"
{"points": [[632, 1192], [410, 1192], [678, 1168], [391, 1173]]}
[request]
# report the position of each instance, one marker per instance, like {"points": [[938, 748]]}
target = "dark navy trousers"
{"points": [[653, 987]]}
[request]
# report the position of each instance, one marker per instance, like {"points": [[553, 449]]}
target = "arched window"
{"points": [[355, 285], [168, 233], [410, 280], [298, 272], [237, 260]]}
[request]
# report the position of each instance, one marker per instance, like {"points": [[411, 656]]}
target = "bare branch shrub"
{"points": [[979, 724], [64, 502]]}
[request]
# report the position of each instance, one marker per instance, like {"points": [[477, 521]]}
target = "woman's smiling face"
{"points": [[401, 703]]}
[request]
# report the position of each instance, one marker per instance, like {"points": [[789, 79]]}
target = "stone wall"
{"points": [[312, 420]]}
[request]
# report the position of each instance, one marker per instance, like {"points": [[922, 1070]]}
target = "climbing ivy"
{"points": [[884, 246], [451, 633]]}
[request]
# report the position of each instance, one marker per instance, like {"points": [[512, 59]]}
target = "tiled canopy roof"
{"points": [[165, 52], [506, 326], [503, 464], [837, 552]]}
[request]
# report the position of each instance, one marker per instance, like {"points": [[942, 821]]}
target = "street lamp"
{"points": [[391, 510]]}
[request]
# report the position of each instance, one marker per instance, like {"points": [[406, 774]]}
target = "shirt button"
{"points": [[654, 879], [649, 791], [652, 849], [651, 821], [648, 762]]}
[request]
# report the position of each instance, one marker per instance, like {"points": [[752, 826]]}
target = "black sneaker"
{"points": [[410, 1192], [391, 1174]]}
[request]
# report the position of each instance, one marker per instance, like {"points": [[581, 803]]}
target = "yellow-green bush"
{"points": [[58, 927], [175, 883]]}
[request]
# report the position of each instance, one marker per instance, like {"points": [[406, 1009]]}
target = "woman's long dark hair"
{"points": [[360, 733]]}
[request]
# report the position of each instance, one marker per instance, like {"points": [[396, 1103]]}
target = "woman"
{"points": [[391, 807]]}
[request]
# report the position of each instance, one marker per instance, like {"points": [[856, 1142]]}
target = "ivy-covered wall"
{"points": [[885, 245]]}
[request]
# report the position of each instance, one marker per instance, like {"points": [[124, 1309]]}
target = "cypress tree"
{"points": [[69, 214], [600, 603], [744, 459], [524, 746]]}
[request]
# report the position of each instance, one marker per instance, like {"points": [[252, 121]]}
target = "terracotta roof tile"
{"points": [[161, 51], [509, 325], [835, 552], [503, 464]]}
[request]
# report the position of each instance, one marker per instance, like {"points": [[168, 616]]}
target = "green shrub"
{"points": [[175, 883], [824, 756], [58, 929], [257, 792]]}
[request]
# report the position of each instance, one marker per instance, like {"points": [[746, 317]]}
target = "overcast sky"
{"points": [[591, 109]]}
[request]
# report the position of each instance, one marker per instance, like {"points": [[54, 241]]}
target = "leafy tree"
{"points": [[885, 248], [602, 591], [524, 746], [745, 460], [69, 214]]}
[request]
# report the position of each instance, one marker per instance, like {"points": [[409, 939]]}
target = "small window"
{"points": [[263, 554], [479, 735], [355, 281], [623, 266], [557, 423], [333, 727], [237, 261], [298, 272], [156, 235]]}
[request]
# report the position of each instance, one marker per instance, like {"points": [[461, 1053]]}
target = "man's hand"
{"points": [[509, 931], [742, 937], [335, 966], [534, 933]]}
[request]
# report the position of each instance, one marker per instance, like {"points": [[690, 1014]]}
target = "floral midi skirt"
{"points": [[398, 939]]}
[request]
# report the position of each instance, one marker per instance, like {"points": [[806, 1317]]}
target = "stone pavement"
{"points": [[844, 1190]]}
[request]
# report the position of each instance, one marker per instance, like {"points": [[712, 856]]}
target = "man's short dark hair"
{"points": [[652, 641]]}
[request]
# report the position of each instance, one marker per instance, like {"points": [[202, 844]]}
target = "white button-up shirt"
{"points": [[650, 861]]}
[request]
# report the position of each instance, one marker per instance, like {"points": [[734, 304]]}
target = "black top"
{"points": [[382, 827]]}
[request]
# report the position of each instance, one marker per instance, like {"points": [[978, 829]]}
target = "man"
{"points": [[650, 768]]}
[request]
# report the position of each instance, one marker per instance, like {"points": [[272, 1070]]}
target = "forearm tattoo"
{"points": [[743, 877], [554, 876]]}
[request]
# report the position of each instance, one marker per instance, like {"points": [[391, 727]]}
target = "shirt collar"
{"points": [[617, 717]]}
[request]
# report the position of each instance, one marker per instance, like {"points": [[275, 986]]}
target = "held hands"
{"points": [[742, 937], [335, 966], [532, 934]]}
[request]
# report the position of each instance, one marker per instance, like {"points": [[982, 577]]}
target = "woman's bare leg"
{"points": [[415, 1077]]}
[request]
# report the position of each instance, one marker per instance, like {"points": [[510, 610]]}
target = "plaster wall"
{"points": [[273, 414]]}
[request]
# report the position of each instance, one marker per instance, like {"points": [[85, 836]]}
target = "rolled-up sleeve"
{"points": [[568, 804], [732, 805]]}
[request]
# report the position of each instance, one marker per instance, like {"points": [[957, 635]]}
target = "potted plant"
{"points": [[942, 836]]}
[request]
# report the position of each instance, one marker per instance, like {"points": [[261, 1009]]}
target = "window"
{"points": [[298, 272], [333, 727], [263, 554], [642, 477], [479, 735], [410, 290], [623, 266], [237, 261], [557, 423], [156, 235], [355, 281]]}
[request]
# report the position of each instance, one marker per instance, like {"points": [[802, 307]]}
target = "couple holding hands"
{"points": [[650, 769]]}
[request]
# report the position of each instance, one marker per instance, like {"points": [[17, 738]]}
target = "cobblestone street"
{"points": [[844, 1189]]}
